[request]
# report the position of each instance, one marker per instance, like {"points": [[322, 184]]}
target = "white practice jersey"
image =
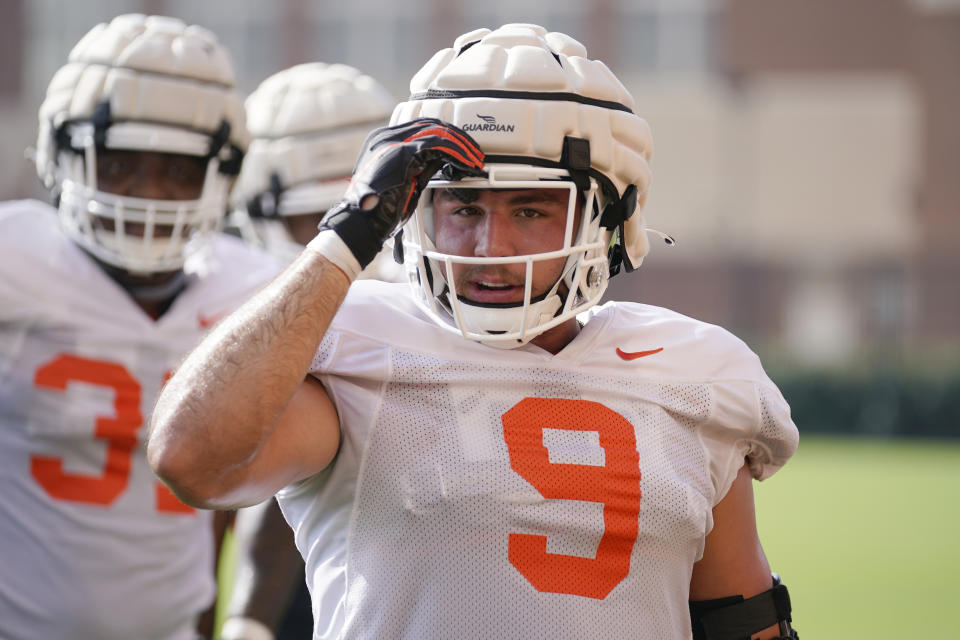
{"points": [[92, 545], [488, 493]]}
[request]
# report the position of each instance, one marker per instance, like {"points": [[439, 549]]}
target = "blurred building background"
{"points": [[807, 160]]}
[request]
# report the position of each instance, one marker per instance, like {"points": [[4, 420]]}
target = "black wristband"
{"points": [[358, 232]]}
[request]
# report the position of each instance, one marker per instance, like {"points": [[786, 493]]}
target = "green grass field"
{"points": [[224, 580], [865, 534]]}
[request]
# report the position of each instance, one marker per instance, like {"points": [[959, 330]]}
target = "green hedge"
{"points": [[880, 404]]}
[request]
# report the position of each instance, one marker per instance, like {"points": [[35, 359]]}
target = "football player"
{"points": [[307, 125], [141, 135], [495, 455]]}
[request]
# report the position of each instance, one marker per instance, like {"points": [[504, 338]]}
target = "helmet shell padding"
{"points": [[308, 124], [516, 96]]}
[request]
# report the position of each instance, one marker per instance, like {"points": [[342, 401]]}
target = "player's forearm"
{"points": [[220, 407]]}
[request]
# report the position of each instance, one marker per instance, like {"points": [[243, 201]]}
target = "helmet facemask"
{"points": [[578, 256], [137, 234]]}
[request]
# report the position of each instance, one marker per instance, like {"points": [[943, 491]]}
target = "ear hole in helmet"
{"points": [[594, 276]]}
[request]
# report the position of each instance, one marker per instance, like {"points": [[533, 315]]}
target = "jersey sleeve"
{"points": [[324, 355], [28, 240], [373, 318], [749, 419]]}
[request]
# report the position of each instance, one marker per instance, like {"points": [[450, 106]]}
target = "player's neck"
{"points": [[153, 293], [555, 339]]}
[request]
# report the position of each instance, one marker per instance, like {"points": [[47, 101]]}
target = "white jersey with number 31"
{"points": [[487, 493], [92, 545]]}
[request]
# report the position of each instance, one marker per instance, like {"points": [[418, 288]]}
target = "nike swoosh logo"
{"points": [[633, 355]]}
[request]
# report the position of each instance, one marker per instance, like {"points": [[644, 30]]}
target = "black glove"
{"points": [[395, 165]]}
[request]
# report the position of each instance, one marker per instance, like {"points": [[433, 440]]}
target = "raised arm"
{"points": [[240, 419]]}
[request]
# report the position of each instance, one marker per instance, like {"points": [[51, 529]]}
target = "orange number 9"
{"points": [[616, 484]]}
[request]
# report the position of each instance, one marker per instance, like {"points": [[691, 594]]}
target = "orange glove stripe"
{"points": [[476, 159]]}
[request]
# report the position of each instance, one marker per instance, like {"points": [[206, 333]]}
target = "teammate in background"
{"points": [[140, 137], [307, 125], [493, 456]]}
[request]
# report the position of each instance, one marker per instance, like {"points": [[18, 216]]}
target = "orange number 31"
{"points": [[118, 431], [616, 485]]}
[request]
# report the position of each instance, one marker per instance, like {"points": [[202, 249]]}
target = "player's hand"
{"points": [[395, 165]]}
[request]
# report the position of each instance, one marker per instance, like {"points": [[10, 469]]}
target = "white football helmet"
{"points": [[145, 84], [542, 112], [307, 125]]}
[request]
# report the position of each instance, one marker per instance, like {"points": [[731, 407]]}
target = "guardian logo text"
{"points": [[489, 124]]}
